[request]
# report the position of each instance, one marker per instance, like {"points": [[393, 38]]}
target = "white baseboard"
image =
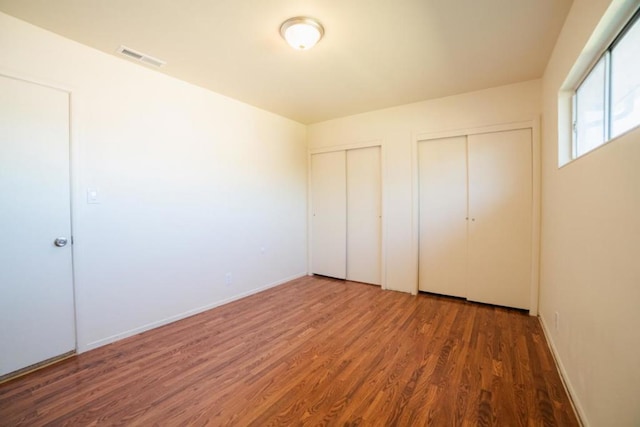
{"points": [[577, 408], [188, 313]]}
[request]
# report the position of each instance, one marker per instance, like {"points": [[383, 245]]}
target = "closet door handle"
{"points": [[60, 242]]}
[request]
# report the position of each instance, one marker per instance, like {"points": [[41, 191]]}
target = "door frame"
{"points": [[383, 232], [74, 185], [534, 125]]}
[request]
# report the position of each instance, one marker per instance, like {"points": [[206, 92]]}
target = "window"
{"points": [[589, 111], [625, 81], [607, 102]]}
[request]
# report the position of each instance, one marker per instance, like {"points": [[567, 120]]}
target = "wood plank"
{"points": [[312, 351]]}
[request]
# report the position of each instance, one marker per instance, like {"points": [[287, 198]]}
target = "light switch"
{"points": [[92, 196]]}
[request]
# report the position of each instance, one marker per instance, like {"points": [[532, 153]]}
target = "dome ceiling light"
{"points": [[301, 32]]}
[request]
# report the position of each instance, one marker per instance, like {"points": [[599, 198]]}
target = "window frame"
{"points": [[606, 98]]}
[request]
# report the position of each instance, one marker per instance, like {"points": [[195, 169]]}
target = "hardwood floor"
{"points": [[314, 351]]}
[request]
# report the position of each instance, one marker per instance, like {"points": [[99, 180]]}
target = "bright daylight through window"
{"points": [[607, 102]]}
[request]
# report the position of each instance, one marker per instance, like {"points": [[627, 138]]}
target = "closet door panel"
{"points": [[329, 214], [500, 205], [364, 210], [443, 211]]}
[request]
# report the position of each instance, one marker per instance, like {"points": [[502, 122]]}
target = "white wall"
{"points": [[590, 269], [397, 128], [192, 186]]}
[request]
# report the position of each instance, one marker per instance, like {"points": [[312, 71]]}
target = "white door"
{"points": [[329, 214], [36, 290], [442, 173], [500, 211], [364, 213]]}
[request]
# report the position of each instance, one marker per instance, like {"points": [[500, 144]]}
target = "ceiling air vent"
{"points": [[140, 57]]}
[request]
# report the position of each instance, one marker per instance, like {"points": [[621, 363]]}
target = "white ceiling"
{"points": [[375, 53]]}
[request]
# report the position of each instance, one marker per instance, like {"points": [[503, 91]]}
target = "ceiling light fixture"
{"points": [[301, 32]]}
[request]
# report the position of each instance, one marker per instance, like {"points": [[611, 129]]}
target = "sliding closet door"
{"points": [[329, 214], [500, 211], [443, 212], [364, 215]]}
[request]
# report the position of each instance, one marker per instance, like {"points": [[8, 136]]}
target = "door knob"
{"points": [[60, 242]]}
